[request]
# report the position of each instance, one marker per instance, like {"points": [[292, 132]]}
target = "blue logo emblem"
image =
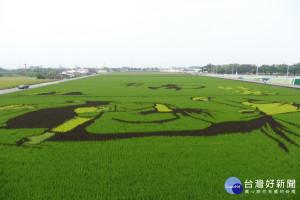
{"points": [[233, 186]]}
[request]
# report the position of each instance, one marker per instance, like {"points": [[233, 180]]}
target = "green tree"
{"points": [[282, 69], [40, 75], [295, 69]]}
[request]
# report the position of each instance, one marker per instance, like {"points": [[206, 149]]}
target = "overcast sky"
{"points": [[154, 33]]}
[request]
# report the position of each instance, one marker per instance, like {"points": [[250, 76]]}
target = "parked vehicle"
{"points": [[23, 86]]}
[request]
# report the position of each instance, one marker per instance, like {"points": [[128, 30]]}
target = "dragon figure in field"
{"points": [[69, 123]]}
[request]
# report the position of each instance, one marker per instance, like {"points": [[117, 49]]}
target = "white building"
{"points": [[82, 72], [73, 73], [102, 71], [172, 70]]}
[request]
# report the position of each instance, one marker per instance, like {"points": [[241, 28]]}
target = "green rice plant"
{"points": [[39, 138], [129, 106], [162, 108], [71, 124], [134, 117], [44, 93], [117, 122], [11, 136], [246, 111], [225, 88], [10, 82], [158, 167]]}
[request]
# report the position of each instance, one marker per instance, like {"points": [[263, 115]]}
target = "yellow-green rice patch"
{"points": [[162, 108], [273, 108], [200, 98], [16, 107], [71, 124], [85, 110], [246, 91]]}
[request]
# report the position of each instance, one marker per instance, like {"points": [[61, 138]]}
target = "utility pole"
{"points": [[287, 72], [26, 74], [60, 72]]}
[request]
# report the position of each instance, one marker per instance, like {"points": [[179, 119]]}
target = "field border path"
{"points": [[10, 90], [274, 84]]}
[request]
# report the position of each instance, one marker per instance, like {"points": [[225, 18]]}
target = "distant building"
{"points": [[125, 69], [102, 71], [82, 72], [172, 70], [73, 73], [68, 74]]}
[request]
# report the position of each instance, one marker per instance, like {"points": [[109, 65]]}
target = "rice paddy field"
{"points": [[148, 136], [11, 82]]}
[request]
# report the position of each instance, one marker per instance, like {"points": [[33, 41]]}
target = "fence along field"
{"points": [[226, 126]]}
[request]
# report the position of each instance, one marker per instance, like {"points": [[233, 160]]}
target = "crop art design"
{"points": [[17, 107], [246, 91], [166, 113], [170, 86], [200, 98], [59, 93], [270, 125], [104, 120], [132, 84], [56, 120], [173, 86]]}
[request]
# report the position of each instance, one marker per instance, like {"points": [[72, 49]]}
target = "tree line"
{"points": [[281, 69], [38, 72]]}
